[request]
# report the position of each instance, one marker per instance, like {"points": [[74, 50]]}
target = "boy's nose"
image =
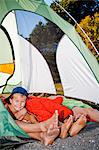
{"points": [[19, 104]]}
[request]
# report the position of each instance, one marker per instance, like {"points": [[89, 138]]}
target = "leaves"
{"points": [[85, 12], [91, 27], [77, 8]]}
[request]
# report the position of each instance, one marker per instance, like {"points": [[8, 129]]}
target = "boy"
{"points": [[40, 106], [46, 131], [16, 106]]}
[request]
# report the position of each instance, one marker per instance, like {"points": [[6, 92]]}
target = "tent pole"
{"points": [[78, 26]]}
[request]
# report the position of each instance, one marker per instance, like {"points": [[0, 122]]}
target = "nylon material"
{"points": [[5, 57], [43, 10], [39, 1], [84, 68], [70, 31], [67, 102], [3, 9], [90, 97], [9, 5], [72, 85], [8, 88], [30, 6], [17, 73], [7, 68], [83, 73], [63, 25], [1, 89], [48, 13], [77, 79], [88, 56], [75, 38], [3, 78], [12, 5], [26, 69], [10, 25], [77, 61], [35, 72]]}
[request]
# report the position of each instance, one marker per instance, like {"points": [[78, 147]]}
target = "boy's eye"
{"points": [[16, 101]]}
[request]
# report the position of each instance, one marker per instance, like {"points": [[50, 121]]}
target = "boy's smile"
{"points": [[18, 101]]}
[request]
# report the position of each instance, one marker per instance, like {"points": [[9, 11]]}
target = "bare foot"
{"points": [[53, 131], [45, 124], [65, 127], [78, 111], [78, 125]]}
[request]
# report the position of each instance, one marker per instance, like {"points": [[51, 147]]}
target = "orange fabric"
{"points": [[58, 100], [44, 108], [7, 68]]}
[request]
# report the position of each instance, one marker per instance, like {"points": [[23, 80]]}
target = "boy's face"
{"points": [[18, 101]]}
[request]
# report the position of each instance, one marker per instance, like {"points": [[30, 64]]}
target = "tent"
{"points": [[21, 63]]}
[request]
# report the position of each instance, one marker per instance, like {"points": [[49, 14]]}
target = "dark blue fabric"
{"points": [[19, 90]]}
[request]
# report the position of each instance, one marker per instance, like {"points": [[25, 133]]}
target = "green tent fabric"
{"points": [[85, 56], [8, 125], [70, 103]]}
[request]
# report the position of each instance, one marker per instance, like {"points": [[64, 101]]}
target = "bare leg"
{"points": [[92, 114], [53, 131], [42, 126], [29, 127], [65, 127], [36, 135], [78, 125]]}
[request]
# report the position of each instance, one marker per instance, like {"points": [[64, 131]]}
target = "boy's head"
{"points": [[18, 98], [20, 90]]}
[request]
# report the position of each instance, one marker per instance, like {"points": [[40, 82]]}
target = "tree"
{"points": [[77, 8], [45, 35], [85, 13], [91, 26], [45, 38]]}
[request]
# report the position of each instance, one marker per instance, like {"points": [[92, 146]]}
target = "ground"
{"points": [[87, 139]]}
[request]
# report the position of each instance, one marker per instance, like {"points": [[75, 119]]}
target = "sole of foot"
{"points": [[78, 125]]}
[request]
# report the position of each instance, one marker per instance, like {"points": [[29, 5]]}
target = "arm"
{"points": [[23, 115], [30, 118], [20, 114]]}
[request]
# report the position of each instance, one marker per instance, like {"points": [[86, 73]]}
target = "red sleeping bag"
{"points": [[43, 108]]}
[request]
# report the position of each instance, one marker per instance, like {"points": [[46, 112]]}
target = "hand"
{"points": [[21, 114]]}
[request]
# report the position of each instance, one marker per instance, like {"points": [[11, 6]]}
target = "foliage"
{"points": [[45, 38], [46, 35], [91, 26], [85, 13], [77, 8]]}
